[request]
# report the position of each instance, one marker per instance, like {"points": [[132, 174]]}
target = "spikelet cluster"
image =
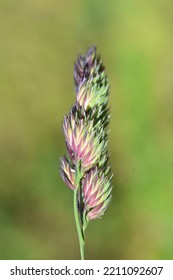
{"points": [[86, 135]]}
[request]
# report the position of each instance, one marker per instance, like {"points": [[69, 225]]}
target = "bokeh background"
{"points": [[39, 41]]}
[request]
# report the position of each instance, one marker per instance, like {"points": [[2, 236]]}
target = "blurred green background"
{"points": [[39, 41]]}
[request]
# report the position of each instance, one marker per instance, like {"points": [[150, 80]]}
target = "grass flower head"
{"points": [[86, 170]]}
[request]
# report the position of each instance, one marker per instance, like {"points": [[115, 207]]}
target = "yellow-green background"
{"points": [[39, 41]]}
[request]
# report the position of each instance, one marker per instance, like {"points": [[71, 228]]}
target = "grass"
{"points": [[38, 46]]}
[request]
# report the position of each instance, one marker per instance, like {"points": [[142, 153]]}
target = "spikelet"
{"points": [[92, 87], [96, 193], [67, 172], [82, 141]]}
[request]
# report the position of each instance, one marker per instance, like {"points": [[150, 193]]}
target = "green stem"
{"points": [[78, 220], [78, 226]]}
